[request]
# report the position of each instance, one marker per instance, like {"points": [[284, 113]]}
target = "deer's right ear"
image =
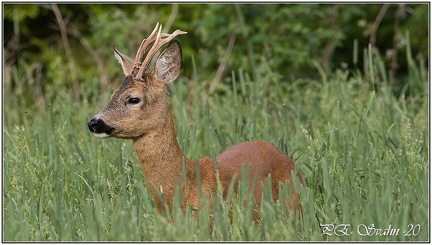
{"points": [[126, 62]]}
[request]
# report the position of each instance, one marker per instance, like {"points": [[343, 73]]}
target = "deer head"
{"points": [[139, 105]]}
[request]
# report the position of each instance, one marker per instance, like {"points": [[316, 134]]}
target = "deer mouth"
{"points": [[99, 128]]}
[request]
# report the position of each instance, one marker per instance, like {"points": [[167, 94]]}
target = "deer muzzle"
{"points": [[99, 128]]}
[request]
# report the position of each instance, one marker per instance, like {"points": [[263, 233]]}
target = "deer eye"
{"points": [[134, 101]]}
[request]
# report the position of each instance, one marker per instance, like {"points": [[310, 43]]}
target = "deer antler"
{"points": [[159, 42]]}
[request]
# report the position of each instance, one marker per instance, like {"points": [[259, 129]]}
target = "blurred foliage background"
{"points": [[68, 47]]}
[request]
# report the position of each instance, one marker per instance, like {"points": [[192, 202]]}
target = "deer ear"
{"points": [[168, 65], [126, 62]]}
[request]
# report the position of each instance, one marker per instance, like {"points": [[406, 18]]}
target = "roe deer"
{"points": [[140, 110]]}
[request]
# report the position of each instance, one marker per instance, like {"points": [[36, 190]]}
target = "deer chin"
{"points": [[101, 135]]}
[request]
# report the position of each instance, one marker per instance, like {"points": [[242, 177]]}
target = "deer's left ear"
{"points": [[168, 65], [126, 62]]}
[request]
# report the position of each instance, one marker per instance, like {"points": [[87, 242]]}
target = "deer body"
{"points": [[140, 110]]}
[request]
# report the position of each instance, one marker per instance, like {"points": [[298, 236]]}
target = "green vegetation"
{"points": [[359, 137]]}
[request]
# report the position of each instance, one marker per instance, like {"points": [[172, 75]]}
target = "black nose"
{"points": [[98, 126]]}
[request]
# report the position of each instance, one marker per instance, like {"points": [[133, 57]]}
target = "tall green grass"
{"points": [[363, 151]]}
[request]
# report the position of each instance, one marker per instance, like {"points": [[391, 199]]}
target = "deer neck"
{"points": [[162, 159]]}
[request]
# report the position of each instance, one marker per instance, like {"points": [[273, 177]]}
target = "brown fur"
{"points": [[149, 123]]}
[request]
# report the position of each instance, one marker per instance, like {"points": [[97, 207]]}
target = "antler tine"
{"points": [[144, 44], [156, 46]]}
